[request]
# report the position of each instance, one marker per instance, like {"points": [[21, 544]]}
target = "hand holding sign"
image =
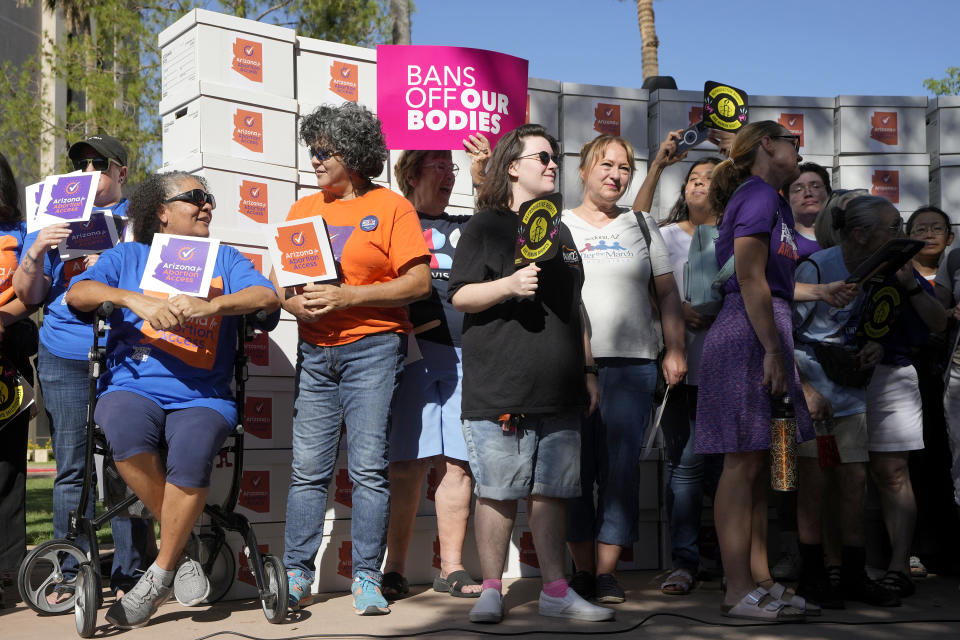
{"points": [[523, 283], [50, 237], [321, 299]]}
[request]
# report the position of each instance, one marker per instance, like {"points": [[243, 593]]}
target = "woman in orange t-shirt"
{"points": [[352, 346]]}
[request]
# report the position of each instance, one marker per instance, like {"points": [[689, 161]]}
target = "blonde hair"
{"points": [[732, 172], [591, 152]]}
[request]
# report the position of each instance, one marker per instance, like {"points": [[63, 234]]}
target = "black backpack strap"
{"points": [[815, 266]]}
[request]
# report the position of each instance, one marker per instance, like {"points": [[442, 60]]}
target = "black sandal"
{"points": [[394, 586], [454, 584], [898, 582]]}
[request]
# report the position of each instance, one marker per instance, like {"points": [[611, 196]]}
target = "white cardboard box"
{"points": [[268, 412], [878, 124], [275, 354], [250, 195], [943, 125], [215, 123], [264, 483], [333, 73], [671, 109], [901, 178], [423, 555], [240, 55], [810, 118], [944, 185], [587, 111], [543, 104]]}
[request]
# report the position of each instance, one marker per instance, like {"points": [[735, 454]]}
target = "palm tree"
{"points": [[648, 39], [400, 17]]}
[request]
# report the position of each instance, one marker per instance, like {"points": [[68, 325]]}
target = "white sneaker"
{"points": [[574, 607], [488, 608]]}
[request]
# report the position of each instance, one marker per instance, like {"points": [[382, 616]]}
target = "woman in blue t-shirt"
{"points": [[169, 364]]}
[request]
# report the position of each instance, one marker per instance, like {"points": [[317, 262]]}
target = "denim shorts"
{"points": [[136, 424], [541, 457]]}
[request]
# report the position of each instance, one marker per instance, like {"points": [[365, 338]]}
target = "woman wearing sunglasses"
{"points": [[527, 374], [352, 346], [751, 335], [167, 379], [42, 278], [620, 267]]}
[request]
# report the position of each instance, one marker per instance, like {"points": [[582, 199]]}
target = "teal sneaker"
{"points": [[298, 589], [367, 597]]}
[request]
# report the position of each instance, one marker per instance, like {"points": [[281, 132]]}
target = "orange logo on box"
{"points": [[255, 491], [695, 115], [345, 80], [436, 553], [432, 484], [883, 127], [248, 59], [258, 417], [528, 554], [255, 258], [526, 118], [248, 129], [607, 119], [793, 122], [300, 249], [253, 200], [244, 573], [259, 349], [345, 560], [886, 183], [344, 491]]}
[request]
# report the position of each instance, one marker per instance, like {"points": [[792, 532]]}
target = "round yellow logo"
{"points": [[725, 107], [538, 229]]}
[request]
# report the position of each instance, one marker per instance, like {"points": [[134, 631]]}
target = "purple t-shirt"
{"points": [[757, 208], [805, 246]]}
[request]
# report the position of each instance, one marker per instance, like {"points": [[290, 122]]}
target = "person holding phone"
{"points": [[528, 374]]}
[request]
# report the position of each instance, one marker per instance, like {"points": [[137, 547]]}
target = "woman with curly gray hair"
{"points": [[352, 346]]}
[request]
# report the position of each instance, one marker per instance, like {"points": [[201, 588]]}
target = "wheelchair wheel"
{"points": [[223, 569], [41, 573], [275, 602], [86, 601]]}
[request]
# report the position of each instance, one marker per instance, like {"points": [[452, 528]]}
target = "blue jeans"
{"points": [[688, 475], [355, 383], [65, 388], [611, 441]]}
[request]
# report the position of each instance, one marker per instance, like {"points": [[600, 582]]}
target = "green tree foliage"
{"points": [[110, 64], [948, 86]]}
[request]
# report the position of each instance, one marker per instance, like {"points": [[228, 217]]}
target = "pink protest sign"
{"points": [[432, 97]]}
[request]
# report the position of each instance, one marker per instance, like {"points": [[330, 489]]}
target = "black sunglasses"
{"points": [[197, 197], [794, 137], [99, 164], [321, 154], [543, 157]]}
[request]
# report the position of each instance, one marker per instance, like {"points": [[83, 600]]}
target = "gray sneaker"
{"points": [[190, 585], [136, 606]]}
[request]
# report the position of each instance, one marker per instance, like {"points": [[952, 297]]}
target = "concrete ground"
{"points": [[932, 612]]}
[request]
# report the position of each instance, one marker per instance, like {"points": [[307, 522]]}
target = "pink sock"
{"points": [[556, 589], [493, 584]]}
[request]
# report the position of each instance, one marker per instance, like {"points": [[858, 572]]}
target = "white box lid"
{"points": [[676, 95], [943, 102], [601, 91], [542, 84], [793, 102], [218, 162], [202, 16], [882, 159], [881, 101], [210, 89], [945, 160], [336, 49]]}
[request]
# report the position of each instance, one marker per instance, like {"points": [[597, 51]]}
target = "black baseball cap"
{"points": [[107, 146]]}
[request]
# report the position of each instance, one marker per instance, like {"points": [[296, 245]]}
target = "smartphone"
{"points": [[691, 137]]}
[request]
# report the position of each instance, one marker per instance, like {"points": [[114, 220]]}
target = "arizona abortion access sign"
{"points": [[432, 97]]}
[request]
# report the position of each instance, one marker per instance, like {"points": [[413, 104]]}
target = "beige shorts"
{"points": [[851, 435]]}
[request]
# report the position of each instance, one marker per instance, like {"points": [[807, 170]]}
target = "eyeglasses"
{"points": [[896, 225], [321, 154], [792, 136], [544, 158], [443, 168], [99, 164], [197, 197], [812, 187], [922, 230]]}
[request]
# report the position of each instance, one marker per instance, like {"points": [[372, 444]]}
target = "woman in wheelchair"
{"points": [[167, 379]]}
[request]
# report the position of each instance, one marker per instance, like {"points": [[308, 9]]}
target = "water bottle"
{"points": [[783, 445]]}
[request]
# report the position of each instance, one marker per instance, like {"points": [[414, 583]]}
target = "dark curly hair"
{"points": [[352, 131], [9, 194], [147, 200]]}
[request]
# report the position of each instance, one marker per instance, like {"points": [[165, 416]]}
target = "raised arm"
{"points": [[666, 156]]}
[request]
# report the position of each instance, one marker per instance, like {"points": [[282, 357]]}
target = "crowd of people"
{"points": [[532, 383]]}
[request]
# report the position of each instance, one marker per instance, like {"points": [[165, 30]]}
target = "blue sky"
{"points": [[766, 47]]}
